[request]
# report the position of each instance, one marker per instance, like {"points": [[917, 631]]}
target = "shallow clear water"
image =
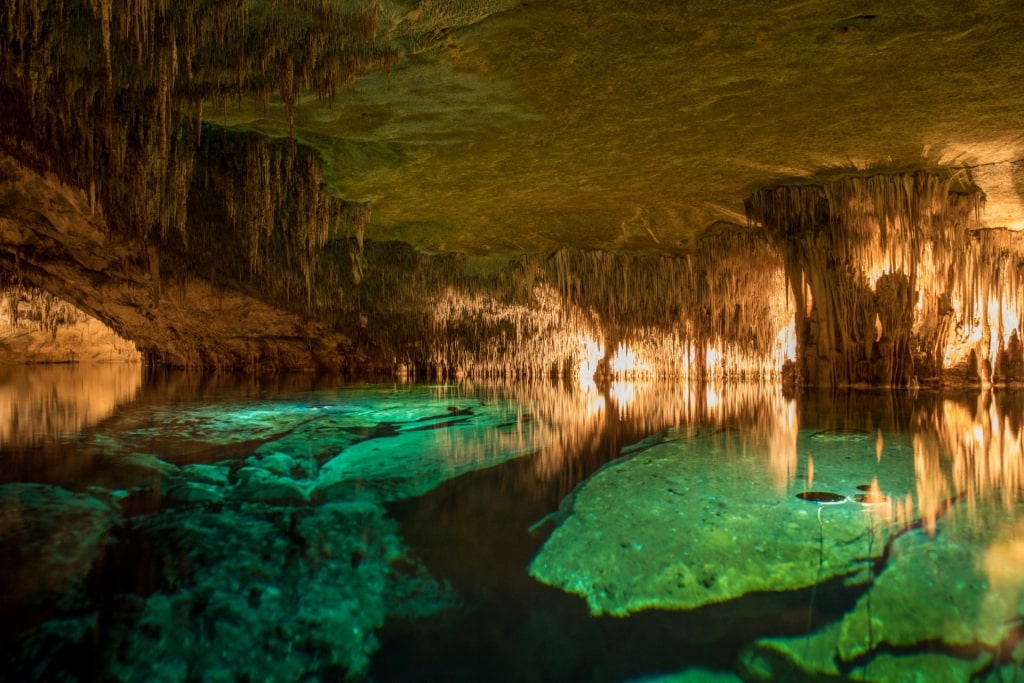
{"points": [[215, 528]]}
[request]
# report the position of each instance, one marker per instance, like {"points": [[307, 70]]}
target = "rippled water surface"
{"points": [[184, 527]]}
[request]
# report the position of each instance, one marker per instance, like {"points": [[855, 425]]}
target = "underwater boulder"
{"points": [[945, 608], [216, 474], [691, 675], [699, 521], [268, 593], [194, 493], [811, 659], [415, 457], [961, 588], [260, 485], [50, 538], [275, 462]]}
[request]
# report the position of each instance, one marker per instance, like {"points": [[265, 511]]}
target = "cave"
{"points": [[369, 190], [796, 220]]}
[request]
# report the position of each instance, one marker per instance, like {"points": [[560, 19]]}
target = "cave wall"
{"points": [[38, 327], [51, 239], [370, 307], [814, 292], [894, 282]]}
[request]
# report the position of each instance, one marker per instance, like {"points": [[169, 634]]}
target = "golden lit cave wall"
{"points": [[893, 282], [38, 327], [32, 308], [567, 312]]}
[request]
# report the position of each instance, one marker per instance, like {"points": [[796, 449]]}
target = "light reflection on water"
{"points": [[511, 453], [37, 401]]}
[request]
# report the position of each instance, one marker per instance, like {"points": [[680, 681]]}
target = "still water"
{"points": [[182, 527]]}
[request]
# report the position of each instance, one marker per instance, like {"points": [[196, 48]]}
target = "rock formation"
{"points": [[422, 190]]}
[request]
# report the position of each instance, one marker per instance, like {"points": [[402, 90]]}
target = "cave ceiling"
{"points": [[338, 174], [511, 127]]}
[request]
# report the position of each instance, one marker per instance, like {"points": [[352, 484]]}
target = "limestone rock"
{"points": [[810, 659], [943, 609], [194, 493], [692, 675], [277, 463], [961, 588], [417, 455], [698, 521], [255, 484], [268, 593], [208, 474]]}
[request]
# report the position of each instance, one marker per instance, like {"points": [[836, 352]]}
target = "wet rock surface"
{"points": [[237, 569], [50, 539], [946, 607], [698, 521], [269, 593]]}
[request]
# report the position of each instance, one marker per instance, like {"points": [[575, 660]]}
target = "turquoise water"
{"points": [[215, 528]]}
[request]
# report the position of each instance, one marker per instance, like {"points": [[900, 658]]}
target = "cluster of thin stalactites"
{"points": [[885, 280], [894, 282], [110, 95], [25, 307], [575, 312]]}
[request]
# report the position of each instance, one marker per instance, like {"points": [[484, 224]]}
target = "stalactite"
{"points": [[287, 92], [865, 244], [32, 308], [102, 10], [894, 249], [137, 158], [558, 313]]}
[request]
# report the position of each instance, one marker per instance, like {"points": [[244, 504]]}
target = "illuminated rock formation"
{"points": [[893, 282], [384, 187]]}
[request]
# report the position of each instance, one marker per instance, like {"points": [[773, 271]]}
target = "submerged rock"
{"points": [[691, 675], [947, 607], [688, 523], [50, 539], [260, 485], [194, 493], [268, 593], [811, 659], [208, 474], [419, 455], [279, 463]]}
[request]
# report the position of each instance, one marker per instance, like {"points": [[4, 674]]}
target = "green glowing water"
{"points": [[188, 528]]}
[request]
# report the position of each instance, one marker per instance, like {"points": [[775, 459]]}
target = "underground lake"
{"points": [[191, 527]]}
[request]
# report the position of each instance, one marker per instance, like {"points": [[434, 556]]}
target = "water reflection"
{"points": [[39, 401], [399, 489], [964, 448]]}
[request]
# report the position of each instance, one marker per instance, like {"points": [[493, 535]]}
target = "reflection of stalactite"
{"points": [[977, 454], [857, 252]]}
